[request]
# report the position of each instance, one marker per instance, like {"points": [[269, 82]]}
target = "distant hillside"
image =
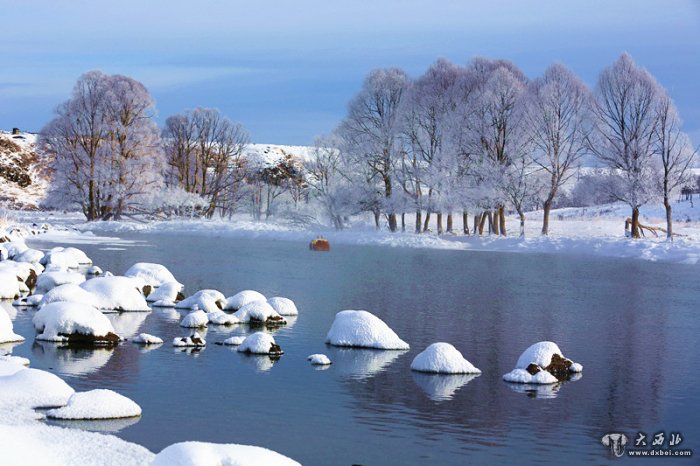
{"points": [[23, 181]]}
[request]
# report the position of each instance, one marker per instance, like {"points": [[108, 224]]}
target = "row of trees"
{"points": [[484, 138]]}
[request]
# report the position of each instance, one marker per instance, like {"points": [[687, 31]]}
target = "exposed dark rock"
{"points": [[79, 339], [320, 244], [147, 289], [533, 369], [275, 349], [180, 296], [559, 367]]}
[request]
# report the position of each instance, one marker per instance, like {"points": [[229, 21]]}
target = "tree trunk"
{"points": [[477, 221], [669, 219], [403, 221], [489, 216], [545, 217], [522, 223], [449, 222], [635, 223], [439, 223], [496, 221], [418, 221], [483, 216], [465, 223], [376, 219], [392, 222], [502, 215], [426, 224]]}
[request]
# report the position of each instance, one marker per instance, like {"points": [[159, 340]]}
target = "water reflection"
{"points": [[360, 364], [96, 425], [441, 387], [533, 390], [167, 313], [127, 324], [259, 362], [72, 361]]}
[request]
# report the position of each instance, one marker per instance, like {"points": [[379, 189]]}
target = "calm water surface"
{"points": [[632, 324]]}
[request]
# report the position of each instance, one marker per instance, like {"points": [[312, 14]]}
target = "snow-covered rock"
{"points": [[32, 256], [259, 312], [153, 274], [14, 360], [242, 298], [69, 293], [147, 339], [193, 340], [24, 271], [7, 334], [8, 367], [200, 454], [50, 280], [96, 404], [94, 271], [71, 258], [117, 293], [260, 343], [29, 301], [363, 329], [195, 319], [283, 306], [222, 318], [74, 322], [235, 340], [14, 248], [443, 358], [542, 363], [318, 359], [206, 300], [34, 388], [10, 286], [169, 292]]}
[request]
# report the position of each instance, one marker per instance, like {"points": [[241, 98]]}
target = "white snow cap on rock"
{"points": [[117, 293], [523, 376], [166, 292], [363, 329], [233, 341], [258, 343], [32, 256], [50, 280], [147, 339], [283, 306], [70, 257], [7, 334], [206, 300], [242, 298], [10, 286], [200, 454], [318, 359], [58, 319], [19, 360], [195, 319], [69, 293], [443, 358], [94, 270], [193, 340], [258, 311], [540, 354], [222, 318], [34, 388], [29, 301], [153, 274], [96, 404]]}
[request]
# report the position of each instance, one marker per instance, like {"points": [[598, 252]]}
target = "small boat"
{"points": [[320, 244]]}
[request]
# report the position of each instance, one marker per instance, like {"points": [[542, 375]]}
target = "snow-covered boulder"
{"points": [[23, 271], [443, 358], [242, 298], [117, 293], [259, 312], [50, 280], [94, 271], [235, 340], [206, 300], [193, 340], [195, 319], [318, 359], [222, 318], [10, 286], [147, 339], [32, 256], [96, 404], [19, 360], [167, 293], [542, 363], [260, 343], [74, 322], [283, 306], [71, 258], [7, 334], [28, 301], [69, 293], [14, 248], [363, 329], [34, 388], [200, 453], [153, 274]]}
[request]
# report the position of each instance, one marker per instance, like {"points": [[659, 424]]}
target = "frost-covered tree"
{"points": [[625, 121], [557, 119], [676, 153], [103, 146], [371, 135], [328, 182]]}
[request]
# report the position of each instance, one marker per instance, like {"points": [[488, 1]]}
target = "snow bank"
{"points": [[71, 258], [34, 388], [442, 358], [73, 322], [318, 359], [542, 363], [117, 293], [169, 292], [242, 298], [200, 454], [222, 318], [96, 404], [153, 274], [363, 329], [206, 300], [192, 340], [259, 312], [260, 343], [147, 339], [283, 306], [233, 341], [50, 280], [7, 334], [69, 293], [195, 319]]}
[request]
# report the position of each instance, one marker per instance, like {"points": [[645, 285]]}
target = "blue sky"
{"points": [[287, 69]]}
